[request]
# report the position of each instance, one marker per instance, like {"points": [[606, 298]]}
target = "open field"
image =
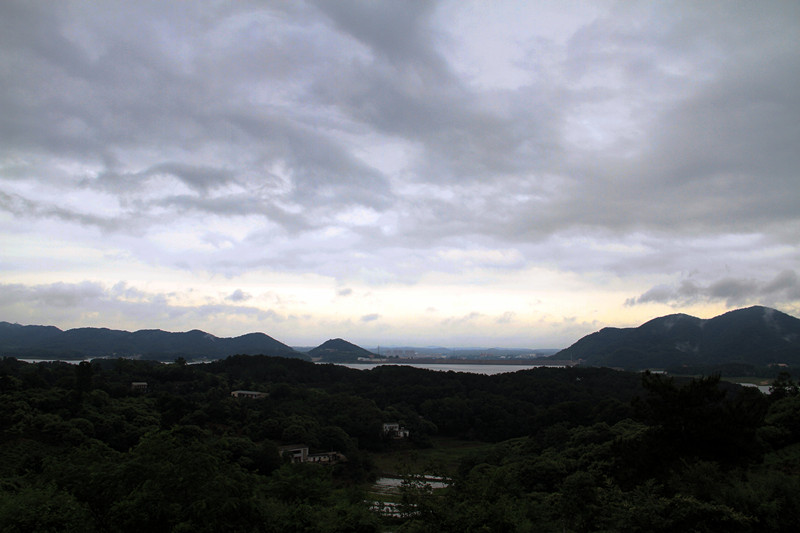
{"points": [[441, 459]]}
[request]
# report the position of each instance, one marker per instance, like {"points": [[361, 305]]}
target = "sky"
{"points": [[454, 173]]}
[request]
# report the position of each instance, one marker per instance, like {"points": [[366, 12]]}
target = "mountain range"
{"points": [[49, 342], [756, 336]]}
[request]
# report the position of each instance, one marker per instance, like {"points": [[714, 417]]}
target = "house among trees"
{"points": [[139, 386], [248, 394], [394, 430], [298, 453], [328, 458]]}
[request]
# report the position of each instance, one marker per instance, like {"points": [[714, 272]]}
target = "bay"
{"points": [[487, 369]]}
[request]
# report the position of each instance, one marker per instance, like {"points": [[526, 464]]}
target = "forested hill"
{"points": [[755, 336], [122, 446], [339, 351], [51, 342]]}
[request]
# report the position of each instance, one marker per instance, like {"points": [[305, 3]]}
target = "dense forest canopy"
{"points": [[122, 445]]}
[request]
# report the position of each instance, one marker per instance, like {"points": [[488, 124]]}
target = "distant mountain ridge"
{"points": [[50, 342], [755, 335]]}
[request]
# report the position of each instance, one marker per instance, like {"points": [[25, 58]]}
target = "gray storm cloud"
{"points": [[181, 96], [363, 142], [61, 299], [783, 288]]}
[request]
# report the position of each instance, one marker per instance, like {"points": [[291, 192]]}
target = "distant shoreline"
{"points": [[537, 362], [457, 361]]}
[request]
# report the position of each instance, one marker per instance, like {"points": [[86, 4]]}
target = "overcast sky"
{"points": [[452, 173]]}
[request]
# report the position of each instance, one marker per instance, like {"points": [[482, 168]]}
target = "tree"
{"points": [[688, 421], [83, 377], [44, 510], [783, 386]]}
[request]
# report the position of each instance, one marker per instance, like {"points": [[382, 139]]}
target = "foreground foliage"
{"points": [[575, 449]]}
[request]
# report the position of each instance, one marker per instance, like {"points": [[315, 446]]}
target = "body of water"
{"points": [[487, 369], [762, 388]]}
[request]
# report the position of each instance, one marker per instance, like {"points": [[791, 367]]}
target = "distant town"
{"points": [[432, 355]]}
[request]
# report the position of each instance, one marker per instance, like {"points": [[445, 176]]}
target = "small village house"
{"points": [[297, 453], [394, 430]]}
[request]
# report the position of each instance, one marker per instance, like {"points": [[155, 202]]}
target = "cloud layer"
{"points": [[645, 145], [785, 287]]}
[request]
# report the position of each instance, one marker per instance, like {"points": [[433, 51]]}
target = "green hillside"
{"points": [[755, 336], [52, 343], [339, 351]]}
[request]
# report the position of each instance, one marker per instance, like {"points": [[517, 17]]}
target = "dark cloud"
{"points": [[59, 295], [784, 287], [123, 290], [22, 208], [399, 32], [717, 156], [132, 98], [197, 177], [501, 162], [238, 296], [785, 282]]}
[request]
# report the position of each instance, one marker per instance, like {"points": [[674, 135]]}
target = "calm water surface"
{"points": [[443, 367], [448, 367]]}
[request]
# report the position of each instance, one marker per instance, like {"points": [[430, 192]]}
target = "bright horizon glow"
{"points": [[297, 308]]}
